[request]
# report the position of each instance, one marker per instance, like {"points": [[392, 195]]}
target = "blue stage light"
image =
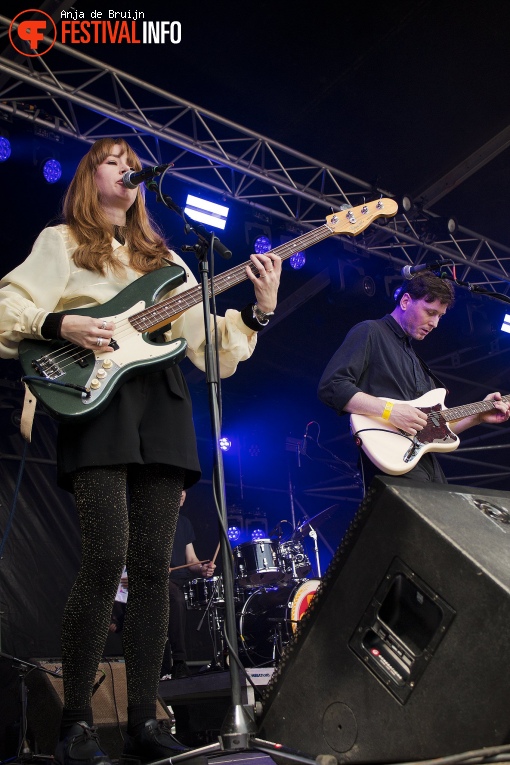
{"points": [[298, 260], [258, 533], [505, 327], [52, 170], [234, 533], [261, 245], [5, 148], [225, 443]]}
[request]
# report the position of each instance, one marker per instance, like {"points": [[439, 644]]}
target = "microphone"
{"points": [[133, 178], [409, 271]]}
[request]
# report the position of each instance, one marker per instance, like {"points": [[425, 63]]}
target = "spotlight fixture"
{"points": [[441, 227], [52, 170], [207, 212], [505, 327], [5, 149], [407, 203], [225, 443], [297, 260], [261, 245], [452, 225], [234, 533], [256, 527]]}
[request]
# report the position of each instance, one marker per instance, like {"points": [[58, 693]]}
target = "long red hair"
{"points": [[91, 228]]}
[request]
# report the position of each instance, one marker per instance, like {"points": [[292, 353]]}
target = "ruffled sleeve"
{"points": [[236, 341]]}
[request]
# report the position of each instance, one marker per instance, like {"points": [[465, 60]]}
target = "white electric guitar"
{"points": [[395, 452]]}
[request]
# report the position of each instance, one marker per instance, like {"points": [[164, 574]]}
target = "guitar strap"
{"points": [[430, 373], [27, 415]]}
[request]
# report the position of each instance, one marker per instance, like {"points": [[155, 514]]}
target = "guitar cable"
{"points": [[49, 381]]}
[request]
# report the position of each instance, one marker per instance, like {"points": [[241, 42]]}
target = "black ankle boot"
{"points": [[154, 742], [81, 747]]}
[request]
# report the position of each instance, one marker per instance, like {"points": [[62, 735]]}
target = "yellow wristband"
{"points": [[387, 410]]}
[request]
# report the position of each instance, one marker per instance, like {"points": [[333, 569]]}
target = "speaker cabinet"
{"points": [[404, 653], [109, 706]]}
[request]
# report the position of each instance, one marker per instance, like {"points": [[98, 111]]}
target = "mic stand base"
{"points": [[238, 735]]}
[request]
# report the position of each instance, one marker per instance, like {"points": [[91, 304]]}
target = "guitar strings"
{"points": [[71, 353]]}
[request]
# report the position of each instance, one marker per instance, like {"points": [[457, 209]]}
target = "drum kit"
{"points": [[272, 591]]}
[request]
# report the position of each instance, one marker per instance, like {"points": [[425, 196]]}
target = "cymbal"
{"points": [[303, 529]]}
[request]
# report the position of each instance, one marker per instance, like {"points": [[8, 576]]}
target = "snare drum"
{"points": [[294, 561], [257, 563], [198, 592], [269, 619]]}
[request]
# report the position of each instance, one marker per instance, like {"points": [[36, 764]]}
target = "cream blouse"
{"points": [[48, 281]]}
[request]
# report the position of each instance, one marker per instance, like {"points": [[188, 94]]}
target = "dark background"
{"points": [[394, 95]]}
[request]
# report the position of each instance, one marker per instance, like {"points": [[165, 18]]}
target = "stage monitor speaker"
{"points": [[404, 653], [109, 706]]}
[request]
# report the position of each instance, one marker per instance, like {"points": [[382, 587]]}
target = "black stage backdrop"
{"points": [[40, 539]]}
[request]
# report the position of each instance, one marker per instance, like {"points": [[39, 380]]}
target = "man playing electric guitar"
{"points": [[376, 373]]}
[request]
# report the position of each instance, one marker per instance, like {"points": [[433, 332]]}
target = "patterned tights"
{"points": [[114, 530]]}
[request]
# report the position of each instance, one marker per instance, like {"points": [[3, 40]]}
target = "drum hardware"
{"points": [[209, 595], [269, 619], [306, 529], [294, 563]]}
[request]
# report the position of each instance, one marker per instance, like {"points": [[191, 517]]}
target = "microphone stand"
{"points": [[476, 289], [238, 730], [25, 753]]}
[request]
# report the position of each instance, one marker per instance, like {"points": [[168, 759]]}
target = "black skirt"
{"points": [[149, 420]]}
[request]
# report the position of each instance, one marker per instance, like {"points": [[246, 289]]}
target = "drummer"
{"points": [[174, 659]]}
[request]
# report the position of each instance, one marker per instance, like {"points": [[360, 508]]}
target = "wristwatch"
{"points": [[260, 316]]}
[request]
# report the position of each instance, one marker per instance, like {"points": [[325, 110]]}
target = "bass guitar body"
{"points": [[395, 452], [73, 383]]}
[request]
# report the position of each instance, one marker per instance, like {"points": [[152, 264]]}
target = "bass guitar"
{"points": [[395, 452], [73, 383]]}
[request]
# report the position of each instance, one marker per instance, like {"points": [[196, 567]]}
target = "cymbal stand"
{"points": [[313, 534]]}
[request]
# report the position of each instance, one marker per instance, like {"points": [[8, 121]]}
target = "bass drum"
{"points": [[269, 619]]}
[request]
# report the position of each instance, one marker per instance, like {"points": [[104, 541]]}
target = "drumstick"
{"points": [[216, 553], [187, 565]]}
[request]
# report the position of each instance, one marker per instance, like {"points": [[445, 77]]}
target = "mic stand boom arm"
{"points": [[205, 237]]}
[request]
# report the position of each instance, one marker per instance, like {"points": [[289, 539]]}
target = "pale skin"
{"points": [[418, 318], [116, 200]]}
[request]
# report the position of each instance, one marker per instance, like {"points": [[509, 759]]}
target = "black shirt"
{"points": [[377, 358], [184, 535]]}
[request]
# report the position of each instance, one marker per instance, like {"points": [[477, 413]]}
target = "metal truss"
{"points": [[75, 95]]}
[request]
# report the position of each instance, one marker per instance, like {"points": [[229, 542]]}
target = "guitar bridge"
{"points": [[413, 450], [46, 367]]}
